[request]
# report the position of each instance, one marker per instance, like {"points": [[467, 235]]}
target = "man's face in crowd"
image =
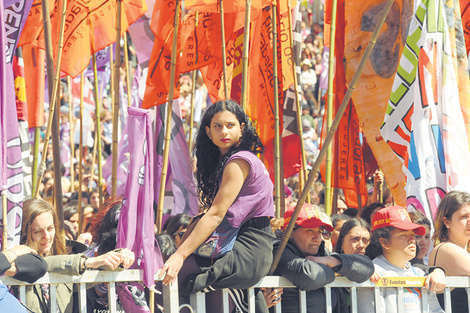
{"points": [[308, 240]]}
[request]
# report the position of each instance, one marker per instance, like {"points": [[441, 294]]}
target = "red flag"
{"points": [[348, 166], [34, 59], [229, 6]]}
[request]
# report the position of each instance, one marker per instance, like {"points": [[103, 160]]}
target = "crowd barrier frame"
{"points": [[197, 301]]}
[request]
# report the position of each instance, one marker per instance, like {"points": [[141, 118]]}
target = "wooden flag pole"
{"points": [[169, 113], [246, 43], [51, 77], [80, 161], [191, 110], [277, 133], [303, 172], [329, 115], [126, 64], [224, 57], [71, 132], [329, 137], [37, 138], [93, 160], [98, 132], [193, 100], [116, 100]]}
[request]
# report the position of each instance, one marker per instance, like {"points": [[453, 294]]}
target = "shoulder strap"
{"points": [[437, 251]]}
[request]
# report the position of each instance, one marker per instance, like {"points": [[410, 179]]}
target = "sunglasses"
{"points": [[325, 233]]}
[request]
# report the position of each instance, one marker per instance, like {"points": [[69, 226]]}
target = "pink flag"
{"points": [[180, 183], [136, 222], [11, 165]]}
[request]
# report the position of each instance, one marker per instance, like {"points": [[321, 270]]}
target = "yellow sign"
{"points": [[400, 282]]}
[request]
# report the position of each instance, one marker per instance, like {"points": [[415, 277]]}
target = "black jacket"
{"points": [[312, 277]]}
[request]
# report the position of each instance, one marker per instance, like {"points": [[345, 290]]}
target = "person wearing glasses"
{"points": [[310, 266]]}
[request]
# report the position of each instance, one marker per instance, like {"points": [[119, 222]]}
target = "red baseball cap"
{"points": [[398, 217], [309, 217]]}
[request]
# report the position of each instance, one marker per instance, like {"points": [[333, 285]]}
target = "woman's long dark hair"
{"points": [[347, 226], [210, 164]]}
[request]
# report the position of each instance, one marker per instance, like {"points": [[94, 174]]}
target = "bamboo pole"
{"points": [[303, 171], [37, 138], [329, 136], [98, 132], [52, 79], [246, 43], [169, 112], [224, 57], [126, 64], [71, 132], [80, 165], [116, 100], [193, 100], [93, 160], [277, 134], [191, 110], [329, 111]]}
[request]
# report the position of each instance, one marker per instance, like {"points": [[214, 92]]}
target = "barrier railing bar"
{"points": [[23, 294], [303, 301], [251, 300], [53, 297], [468, 296], [82, 298], [354, 299], [329, 305], [112, 297], [225, 301], [447, 301], [171, 298], [400, 304], [198, 301], [424, 301], [376, 299]]}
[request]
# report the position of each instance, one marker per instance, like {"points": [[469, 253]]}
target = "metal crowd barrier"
{"points": [[197, 301]]}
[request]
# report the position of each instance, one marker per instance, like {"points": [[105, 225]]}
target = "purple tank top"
{"points": [[254, 200]]}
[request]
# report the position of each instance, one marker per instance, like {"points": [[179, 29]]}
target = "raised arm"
{"points": [[233, 177]]}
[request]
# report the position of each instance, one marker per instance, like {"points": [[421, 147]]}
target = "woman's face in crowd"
{"points": [[225, 131], [423, 242], [401, 245], [356, 241], [459, 225], [74, 220], [42, 232], [308, 240]]}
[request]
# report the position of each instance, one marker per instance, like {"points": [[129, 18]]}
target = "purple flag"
{"points": [[180, 182], [136, 222], [122, 165], [16, 13], [11, 167]]}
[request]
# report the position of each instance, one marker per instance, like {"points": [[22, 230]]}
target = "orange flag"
{"points": [[89, 27], [348, 171], [229, 6], [34, 66]]}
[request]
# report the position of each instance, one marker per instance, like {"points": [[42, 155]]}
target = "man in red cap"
{"points": [[310, 266]]}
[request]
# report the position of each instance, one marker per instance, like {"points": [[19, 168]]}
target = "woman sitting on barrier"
{"points": [[394, 236], [23, 263], [451, 237], [39, 232], [231, 245]]}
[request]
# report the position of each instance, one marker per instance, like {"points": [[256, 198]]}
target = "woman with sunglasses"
{"points": [[310, 266]]}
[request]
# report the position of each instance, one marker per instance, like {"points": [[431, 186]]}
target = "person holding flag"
{"points": [[231, 245]]}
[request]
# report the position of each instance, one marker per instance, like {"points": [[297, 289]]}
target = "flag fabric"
{"points": [[136, 222], [372, 90], [423, 124], [34, 61], [348, 171], [180, 191], [229, 6], [15, 19], [90, 26], [11, 172], [465, 9], [20, 86]]}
